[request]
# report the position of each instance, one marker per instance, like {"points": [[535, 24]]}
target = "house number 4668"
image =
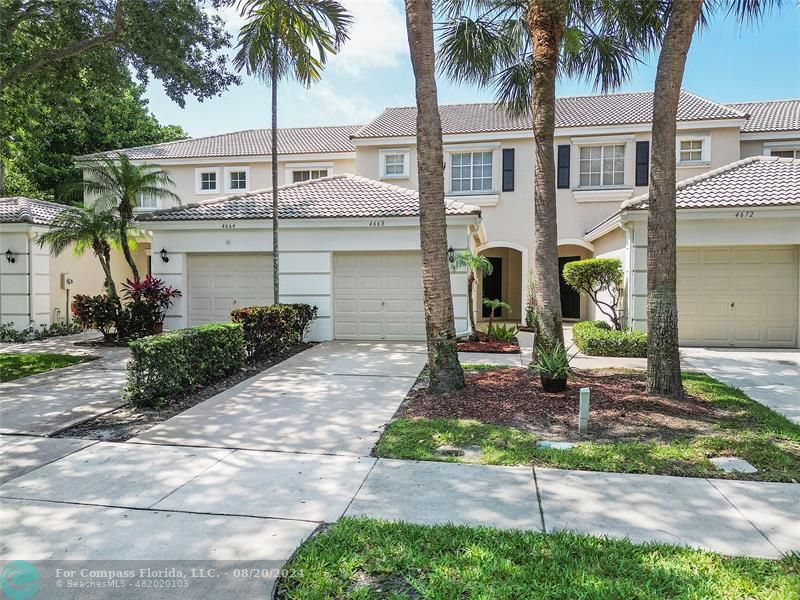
{"points": [[377, 223]]}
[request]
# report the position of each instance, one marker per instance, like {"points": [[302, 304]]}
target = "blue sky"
{"points": [[726, 64]]}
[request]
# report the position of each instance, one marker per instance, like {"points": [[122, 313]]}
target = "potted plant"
{"points": [[553, 368]]}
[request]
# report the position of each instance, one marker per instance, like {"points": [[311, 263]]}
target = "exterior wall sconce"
{"points": [[10, 256], [451, 255], [164, 256]]}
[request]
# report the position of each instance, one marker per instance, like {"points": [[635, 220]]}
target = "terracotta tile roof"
{"points": [[337, 196], [577, 111], [751, 182], [774, 115], [18, 209], [253, 142]]}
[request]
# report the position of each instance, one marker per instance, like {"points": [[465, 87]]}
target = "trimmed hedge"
{"points": [[597, 338], [165, 365], [269, 329]]}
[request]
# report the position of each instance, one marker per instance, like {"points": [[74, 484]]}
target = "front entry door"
{"points": [[493, 284], [570, 299]]}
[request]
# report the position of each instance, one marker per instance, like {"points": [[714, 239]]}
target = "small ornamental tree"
{"points": [[476, 265], [600, 279]]}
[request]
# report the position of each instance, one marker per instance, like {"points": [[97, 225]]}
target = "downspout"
{"points": [[29, 240], [629, 251]]}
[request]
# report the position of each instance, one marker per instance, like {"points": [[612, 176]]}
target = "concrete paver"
{"points": [[771, 377], [432, 493], [46, 531], [274, 484], [22, 454], [675, 510], [114, 475], [386, 359]]}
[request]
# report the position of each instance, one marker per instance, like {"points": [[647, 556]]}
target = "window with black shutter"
{"points": [[563, 166], [508, 169], [642, 163]]}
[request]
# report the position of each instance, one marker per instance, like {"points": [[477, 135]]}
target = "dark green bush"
{"points": [[165, 365], [269, 329], [597, 338]]}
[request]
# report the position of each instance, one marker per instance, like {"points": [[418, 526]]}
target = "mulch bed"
{"points": [[127, 422], [489, 347], [620, 409]]}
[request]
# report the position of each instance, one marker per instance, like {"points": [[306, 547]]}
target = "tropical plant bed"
{"points": [[505, 412], [489, 347], [129, 421], [15, 365], [366, 558]]}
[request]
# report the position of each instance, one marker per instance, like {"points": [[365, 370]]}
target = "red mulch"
{"points": [[489, 347], [619, 407]]}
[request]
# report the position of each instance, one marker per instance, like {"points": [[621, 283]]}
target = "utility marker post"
{"points": [[583, 413]]}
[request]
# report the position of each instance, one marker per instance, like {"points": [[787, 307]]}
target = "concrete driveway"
{"points": [[771, 377]]}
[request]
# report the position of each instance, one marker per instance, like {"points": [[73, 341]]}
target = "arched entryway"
{"points": [[574, 307], [507, 282]]}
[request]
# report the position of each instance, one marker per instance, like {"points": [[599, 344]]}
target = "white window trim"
{"points": [[406, 152], [197, 178], [227, 172], [309, 166], [705, 158], [782, 146], [575, 159], [492, 147], [144, 209]]}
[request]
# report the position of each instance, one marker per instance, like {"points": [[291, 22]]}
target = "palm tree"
{"points": [[475, 264], [113, 182], [445, 371], [520, 47], [288, 38], [86, 228], [494, 305], [663, 358]]}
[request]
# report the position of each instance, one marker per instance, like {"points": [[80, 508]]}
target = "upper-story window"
{"points": [[786, 153], [146, 202], [471, 172], [207, 180], [299, 175], [693, 150], [237, 179], [602, 165], [394, 163]]}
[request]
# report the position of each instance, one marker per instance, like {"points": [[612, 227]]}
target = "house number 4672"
{"points": [[745, 214]]}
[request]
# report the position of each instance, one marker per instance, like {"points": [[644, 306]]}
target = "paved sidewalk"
{"points": [[49, 402]]}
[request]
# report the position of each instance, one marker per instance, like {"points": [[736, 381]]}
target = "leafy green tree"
{"points": [[521, 47], [85, 228], [475, 264], [114, 183], [600, 279], [288, 39]]}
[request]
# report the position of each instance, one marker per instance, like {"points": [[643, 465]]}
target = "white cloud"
{"points": [[326, 106]]}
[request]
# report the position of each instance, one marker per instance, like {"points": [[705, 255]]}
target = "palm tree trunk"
{"points": [[545, 21], [663, 358], [103, 253], [471, 301], [126, 250], [276, 288], [445, 370]]}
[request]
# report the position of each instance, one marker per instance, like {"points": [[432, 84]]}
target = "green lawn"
{"points": [[767, 440], [364, 558], [16, 365]]}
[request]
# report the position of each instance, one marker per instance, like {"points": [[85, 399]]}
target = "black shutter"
{"points": [[508, 169], [563, 166], [642, 163]]}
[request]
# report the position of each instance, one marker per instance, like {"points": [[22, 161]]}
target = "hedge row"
{"points": [[172, 363], [269, 329], [597, 338]]}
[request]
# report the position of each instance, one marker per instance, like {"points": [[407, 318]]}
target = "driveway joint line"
{"points": [[538, 498], [363, 482], [187, 482], [736, 508], [90, 444], [234, 448]]}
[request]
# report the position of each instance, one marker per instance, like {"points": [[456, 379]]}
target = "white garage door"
{"points": [[220, 282], [378, 296], [738, 296]]}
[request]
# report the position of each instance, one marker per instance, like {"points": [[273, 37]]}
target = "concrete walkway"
{"points": [[49, 402]]}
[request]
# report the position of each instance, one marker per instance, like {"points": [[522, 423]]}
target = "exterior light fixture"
{"points": [[10, 256], [164, 256], [451, 255]]}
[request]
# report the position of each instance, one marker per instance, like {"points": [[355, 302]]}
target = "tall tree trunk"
{"points": [[126, 249], [276, 288], [445, 370], [663, 358], [103, 253], [471, 301], [545, 21]]}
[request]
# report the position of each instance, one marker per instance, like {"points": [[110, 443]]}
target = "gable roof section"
{"points": [[18, 209], [773, 115], [252, 142], [751, 182], [576, 111], [337, 196]]}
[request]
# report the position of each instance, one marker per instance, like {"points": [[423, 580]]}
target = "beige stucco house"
{"points": [[738, 232]]}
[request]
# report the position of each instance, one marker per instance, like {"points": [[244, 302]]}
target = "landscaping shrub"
{"points": [[597, 338], [172, 363], [269, 329], [9, 334], [99, 312], [148, 302]]}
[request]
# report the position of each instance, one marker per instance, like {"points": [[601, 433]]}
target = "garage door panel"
{"points": [[738, 296]]}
